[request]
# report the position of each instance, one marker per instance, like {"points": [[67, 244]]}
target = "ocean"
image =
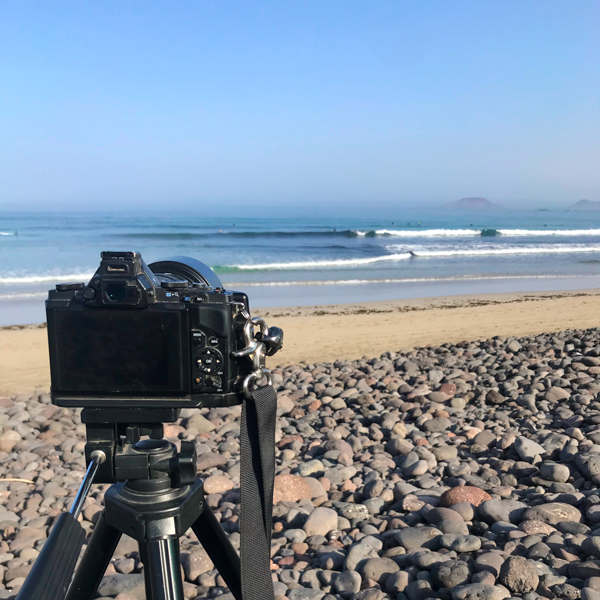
{"points": [[302, 259]]}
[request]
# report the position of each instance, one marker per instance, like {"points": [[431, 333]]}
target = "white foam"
{"points": [[45, 278], [7, 233], [426, 232], [312, 264], [415, 233], [405, 280], [549, 232], [513, 250]]}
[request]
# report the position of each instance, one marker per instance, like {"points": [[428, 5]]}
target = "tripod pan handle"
{"points": [[52, 572]]}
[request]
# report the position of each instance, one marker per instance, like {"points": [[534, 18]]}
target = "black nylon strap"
{"points": [[257, 473]]}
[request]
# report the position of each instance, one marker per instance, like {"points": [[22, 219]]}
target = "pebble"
{"points": [[462, 471]]}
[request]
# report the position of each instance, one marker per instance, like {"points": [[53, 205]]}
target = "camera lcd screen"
{"points": [[118, 351]]}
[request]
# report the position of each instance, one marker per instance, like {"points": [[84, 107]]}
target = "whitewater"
{"points": [[285, 257]]}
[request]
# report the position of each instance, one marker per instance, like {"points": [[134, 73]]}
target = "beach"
{"points": [[350, 331], [458, 459]]}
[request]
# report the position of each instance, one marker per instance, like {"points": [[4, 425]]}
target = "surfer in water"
{"points": [[412, 254]]}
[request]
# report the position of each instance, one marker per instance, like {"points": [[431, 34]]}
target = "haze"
{"points": [[298, 103]]}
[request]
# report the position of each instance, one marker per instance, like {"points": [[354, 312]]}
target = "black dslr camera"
{"points": [[163, 335]]}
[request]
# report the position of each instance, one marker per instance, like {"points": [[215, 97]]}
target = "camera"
{"points": [[164, 335]]}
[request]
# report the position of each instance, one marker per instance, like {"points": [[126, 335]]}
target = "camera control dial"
{"points": [[210, 361]]}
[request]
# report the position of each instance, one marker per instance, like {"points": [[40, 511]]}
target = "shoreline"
{"points": [[351, 331], [270, 296]]}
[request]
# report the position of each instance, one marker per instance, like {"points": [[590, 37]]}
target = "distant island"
{"points": [[586, 206], [474, 203]]}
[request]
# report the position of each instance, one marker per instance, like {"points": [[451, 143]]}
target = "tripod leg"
{"points": [[214, 540], [144, 559], [94, 562], [164, 570]]}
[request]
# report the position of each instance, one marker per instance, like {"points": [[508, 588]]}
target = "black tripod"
{"points": [[156, 499]]}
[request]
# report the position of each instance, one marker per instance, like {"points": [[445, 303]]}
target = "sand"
{"points": [[350, 331]]}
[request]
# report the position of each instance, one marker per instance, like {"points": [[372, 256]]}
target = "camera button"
{"points": [[213, 341]]}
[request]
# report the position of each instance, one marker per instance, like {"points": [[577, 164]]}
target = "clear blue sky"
{"points": [[322, 102]]}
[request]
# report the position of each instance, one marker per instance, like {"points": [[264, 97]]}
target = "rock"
{"points": [[489, 562], [513, 346], [554, 472], [466, 493], [358, 555], [347, 582], [479, 591], [552, 513], [397, 582], [589, 465], [460, 543], [519, 575], [528, 449], [132, 584], [217, 484], [200, 424], [379, 569], [535, 527], [494, 398], [196, 563], [303, 593], [556, 394], [450, 574], [321, 521], [291, 488], [419, 537], [510, 511]]}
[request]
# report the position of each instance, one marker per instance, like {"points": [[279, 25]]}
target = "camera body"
{"points": [[139, 336]]}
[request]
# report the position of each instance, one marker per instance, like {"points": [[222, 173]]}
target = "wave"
{"points": [[166, 235], [405, 280], [242, 284], [406, 255], [351, 233], [45, 278], [7, 233]]}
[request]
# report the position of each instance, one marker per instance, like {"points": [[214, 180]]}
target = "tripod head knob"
{"points": [[186, 460]]}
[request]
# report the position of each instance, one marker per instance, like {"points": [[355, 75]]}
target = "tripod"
{"points": [[155, 500]]}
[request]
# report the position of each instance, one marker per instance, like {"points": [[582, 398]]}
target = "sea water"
{"points": [[283, 259]]}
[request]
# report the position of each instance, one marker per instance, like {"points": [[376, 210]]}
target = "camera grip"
{"points": [[52, 572]]}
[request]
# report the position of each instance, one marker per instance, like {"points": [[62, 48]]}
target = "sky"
{"points": [[298, 103]]}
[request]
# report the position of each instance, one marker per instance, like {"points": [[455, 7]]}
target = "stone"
{"points": [[494, 398], [519, 575], [552, 513], [556, 394], [555, 472], [347, 582], [290, 488], [528, 449], [200, 424], [479, 591], [379, 569], [460, 543], [467, 493], [509, 511], [218, 484], [419, 537], [196, 563], [321, 521], [450, 574], [132, 584]]}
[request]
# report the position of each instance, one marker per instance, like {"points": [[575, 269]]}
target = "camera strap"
{"points": [[257, 474]]}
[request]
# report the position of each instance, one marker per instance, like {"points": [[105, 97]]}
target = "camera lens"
{"points": [[115, 292]]}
